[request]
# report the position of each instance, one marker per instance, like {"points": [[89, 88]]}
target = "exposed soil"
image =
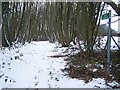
{"points": [[85, 67]]}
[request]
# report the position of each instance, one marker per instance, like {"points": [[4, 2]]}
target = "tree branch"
{"points": [[114, 6]]}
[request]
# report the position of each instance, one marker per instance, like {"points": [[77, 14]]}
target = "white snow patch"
{"points": [[30, 66]]}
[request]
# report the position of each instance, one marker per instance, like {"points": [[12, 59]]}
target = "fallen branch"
{"points": [[58, 56]]}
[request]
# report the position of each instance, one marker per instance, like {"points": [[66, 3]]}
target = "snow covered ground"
{"points": [[30, 66]]}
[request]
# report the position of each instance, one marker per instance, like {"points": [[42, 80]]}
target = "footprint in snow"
{"points": [[3, 63], [36, 83], [51, 77], [9, 80], [21, 54], [3, 66], [16, 57], [9, 68], [9, 63], [57, 79], [11, 58], [50, 73], [35, 77], [49, 85]]}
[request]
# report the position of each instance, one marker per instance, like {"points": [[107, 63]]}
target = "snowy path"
{"points": [[30, 66]]}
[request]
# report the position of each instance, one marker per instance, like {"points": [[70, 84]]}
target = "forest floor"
{"points": [[86, 68], [34, 66]]}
